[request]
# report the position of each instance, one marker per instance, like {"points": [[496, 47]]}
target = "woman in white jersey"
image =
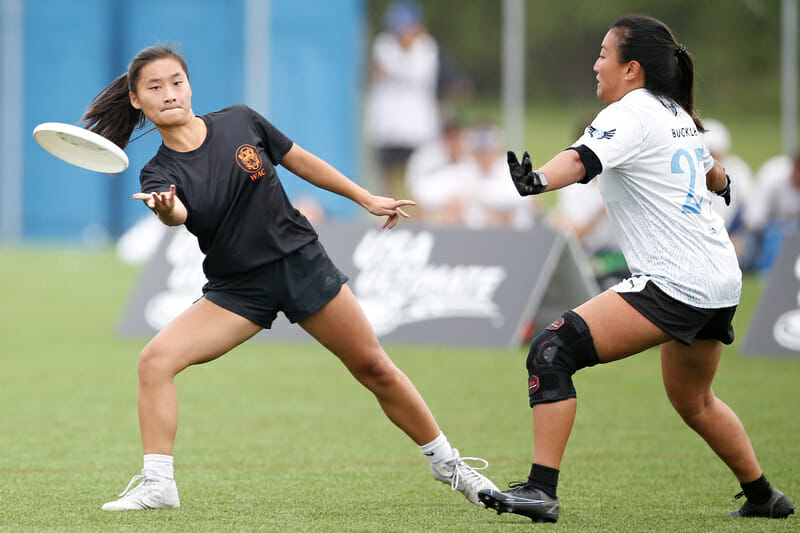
{"points": [[646, 151]]}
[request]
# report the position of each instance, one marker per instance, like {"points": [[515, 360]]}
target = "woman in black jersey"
{"points": [[215, 174]]}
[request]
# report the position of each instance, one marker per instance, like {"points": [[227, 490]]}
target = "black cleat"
{"points": [[522, 499], [778, 506]]}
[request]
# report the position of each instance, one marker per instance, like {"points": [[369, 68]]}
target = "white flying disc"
{"points": [[81, 147]]}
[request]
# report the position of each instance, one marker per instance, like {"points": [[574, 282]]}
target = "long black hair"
{"points": [[668, 66], [110, 113]]}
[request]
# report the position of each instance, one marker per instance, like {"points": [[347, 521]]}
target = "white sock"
{"points": [[158, 465], [438, 450]]}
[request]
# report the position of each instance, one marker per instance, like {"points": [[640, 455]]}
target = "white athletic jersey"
{"points": [[654, 187]]}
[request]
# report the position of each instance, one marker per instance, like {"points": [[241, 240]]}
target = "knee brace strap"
{"points": [[559, 351]]}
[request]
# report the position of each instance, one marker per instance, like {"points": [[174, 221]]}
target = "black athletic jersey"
{"points": [[237, 206]]}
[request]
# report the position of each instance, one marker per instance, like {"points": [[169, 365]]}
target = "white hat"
{"points": [[716, 137]]}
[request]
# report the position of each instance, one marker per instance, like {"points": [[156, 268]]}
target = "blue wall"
{"points": [[72, 50]]}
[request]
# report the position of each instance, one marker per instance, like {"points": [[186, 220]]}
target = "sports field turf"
{"points": [[279, 437]]}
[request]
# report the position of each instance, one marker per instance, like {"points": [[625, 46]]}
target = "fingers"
{"points": [[398, 203], [394, 218], [526, 162], [157, 200], [512, 159], [391, 222]]}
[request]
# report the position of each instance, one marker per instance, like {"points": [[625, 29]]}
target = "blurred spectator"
{"points": [[453, 84], [718, 141], [450, 148], [774, 208], [476, 192], [401, 105], [580, 212]]}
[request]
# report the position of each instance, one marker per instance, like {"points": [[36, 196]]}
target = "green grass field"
{"points": [[278, 437]]}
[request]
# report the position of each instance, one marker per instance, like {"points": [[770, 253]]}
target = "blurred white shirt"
{"points": [[581, 205], [479, 195], [773, 198], [402, 108], [741, 189]]}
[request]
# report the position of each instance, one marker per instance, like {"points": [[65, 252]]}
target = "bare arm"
{"points": [[166, 205], [718, 182], [564, 169], [715, 178], [318, 172]]}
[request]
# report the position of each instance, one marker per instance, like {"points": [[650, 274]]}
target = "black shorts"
{"points": [[299, 285], [681, 321]]}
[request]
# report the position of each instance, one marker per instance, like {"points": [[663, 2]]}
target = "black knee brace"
{"points": [[556, 353]]}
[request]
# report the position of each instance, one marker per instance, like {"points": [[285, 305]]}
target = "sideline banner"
{"points": [[775, 326], [416, 284]]}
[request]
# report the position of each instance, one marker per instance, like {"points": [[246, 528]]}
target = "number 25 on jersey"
{"points": [[693, 200]]}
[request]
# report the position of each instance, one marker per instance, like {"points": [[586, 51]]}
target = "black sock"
{"points": [[544, 478], [757, 491]]}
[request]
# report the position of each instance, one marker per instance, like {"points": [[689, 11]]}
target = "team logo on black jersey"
{"points": [[601, 134], [248, 159]]}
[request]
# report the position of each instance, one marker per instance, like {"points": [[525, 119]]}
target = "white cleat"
{"points": [[151, 493], [464, 478]]}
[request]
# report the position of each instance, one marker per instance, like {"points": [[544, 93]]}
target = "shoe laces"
{"points": [[145, 486], [468, 472], [739, 495]]}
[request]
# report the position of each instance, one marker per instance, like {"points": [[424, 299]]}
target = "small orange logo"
{"points": [[247, 158]]}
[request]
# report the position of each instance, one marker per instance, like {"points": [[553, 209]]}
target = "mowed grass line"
{"points": [[279, 437]]}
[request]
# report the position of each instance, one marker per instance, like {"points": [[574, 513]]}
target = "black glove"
{"points": [[726, 192], [525, 179]]}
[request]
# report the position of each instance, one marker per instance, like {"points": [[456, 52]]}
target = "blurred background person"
{"points": [[491, 202], [401, 103], [717, 139], [580, 212], [451, 148], [774, 209], [477, 191]]}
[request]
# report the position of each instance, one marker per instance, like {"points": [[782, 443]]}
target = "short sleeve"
{"points": [[276, 144], [708, 160], [152, 181], [615, 136]]}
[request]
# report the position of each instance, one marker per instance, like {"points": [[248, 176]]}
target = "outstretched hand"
{"points": [[167, 206], [383, 206], [525, 179], [160, 202]]}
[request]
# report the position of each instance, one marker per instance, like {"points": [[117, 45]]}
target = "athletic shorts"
{"points": [[681, 321], [299, 285]]}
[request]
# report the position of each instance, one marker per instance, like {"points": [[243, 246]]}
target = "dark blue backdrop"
{"points": [[74, 49]]}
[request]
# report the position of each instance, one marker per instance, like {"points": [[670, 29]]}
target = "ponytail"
{"points": [[111, 114], [668, 67], [685, 85]]}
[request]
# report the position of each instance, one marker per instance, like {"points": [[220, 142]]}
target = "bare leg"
{"points": [[342, 327], [618, 331], [200, 334], [687, 372]]}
